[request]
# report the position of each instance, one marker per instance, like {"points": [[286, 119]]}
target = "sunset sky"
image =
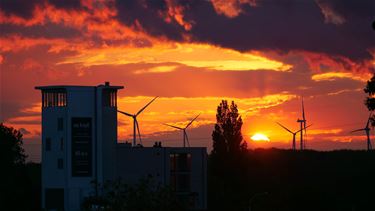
{"points": [[262, 54]]}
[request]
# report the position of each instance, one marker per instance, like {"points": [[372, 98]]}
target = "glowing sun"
{"points": [[259, 137]]}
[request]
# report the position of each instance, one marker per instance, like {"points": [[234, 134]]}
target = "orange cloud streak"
{"points": [[331, 76], [194, 55], [231, 8]]}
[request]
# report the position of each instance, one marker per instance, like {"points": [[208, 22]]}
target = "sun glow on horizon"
{"points": [[259, 137]]}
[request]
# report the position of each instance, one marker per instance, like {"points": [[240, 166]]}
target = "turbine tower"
{"points": [[184, 134], [302, 127], [135, 122], [293, 133], [367, 130]]}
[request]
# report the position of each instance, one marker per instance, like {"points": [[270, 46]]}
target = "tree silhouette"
{"points": [[370, 99], [145, 195], [227, 161], [11, 151], [227, 137], [19, 182]]}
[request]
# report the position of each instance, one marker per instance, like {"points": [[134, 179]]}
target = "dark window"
{"points": [[60, 124], [54, 198], [180, 162], [180, 171], [48, 144], [109, 97], [60, 163]]}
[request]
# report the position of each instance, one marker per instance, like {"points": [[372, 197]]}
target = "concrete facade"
{"points": [[183, 169]]}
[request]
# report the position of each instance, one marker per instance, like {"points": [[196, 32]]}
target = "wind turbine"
{"points": [[184, 134], [135, 122], [293, 133], [302, 126], [367, 130]]}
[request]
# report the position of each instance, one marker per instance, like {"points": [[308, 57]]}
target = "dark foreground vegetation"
{"points": [[20, 188], [20, 182], [308, 180]]}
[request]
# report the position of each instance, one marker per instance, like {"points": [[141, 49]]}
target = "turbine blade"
{"points": [[140, 111], [303, 128], [357, 130], [127, 114], [284, 127], [174, 126], [192, 121], [139, 132]]}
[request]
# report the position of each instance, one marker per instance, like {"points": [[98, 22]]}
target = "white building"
{"points": [[79, 145]]}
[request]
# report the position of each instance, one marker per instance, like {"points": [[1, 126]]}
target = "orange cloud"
{"points": [[16, 43], [319, 62], [344, 91], [194, 55], [231, 8], [176, 12], [326, 131], [157, 69], [97, 19], [331, 76]]}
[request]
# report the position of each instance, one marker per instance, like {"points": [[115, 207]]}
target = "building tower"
{"points": [[79, 137]]}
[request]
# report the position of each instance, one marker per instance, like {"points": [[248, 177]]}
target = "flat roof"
{"points": [[77, 86]]}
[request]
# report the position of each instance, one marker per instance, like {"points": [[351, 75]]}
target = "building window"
{"points": [[48, 144], [109, 97], [60, 124], [60, 163], [180, 171], [54, 98], [61, 143]]}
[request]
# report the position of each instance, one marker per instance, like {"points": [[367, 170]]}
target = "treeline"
{"points": [[294, 180], [20, 182]]}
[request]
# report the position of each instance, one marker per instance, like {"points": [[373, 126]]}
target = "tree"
{"points": [[11, 151], [227, 137], [145, 195], [370, 99], [227, 162], [16, 183]]}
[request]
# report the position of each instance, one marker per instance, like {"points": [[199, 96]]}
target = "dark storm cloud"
{"points": [[149, 15], [25, 8], [295, 25], [48, 30], [67, 4], [19, 8], [272, 25], [350, 8]]}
